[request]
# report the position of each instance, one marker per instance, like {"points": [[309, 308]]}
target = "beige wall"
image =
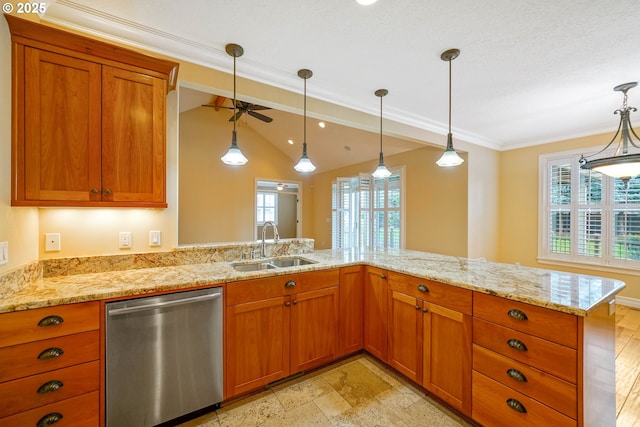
{"points": [[519, 207], [436, 202], [217, 200]]}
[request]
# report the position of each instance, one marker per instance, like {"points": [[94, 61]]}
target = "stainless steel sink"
{"points": [[292, 261]]}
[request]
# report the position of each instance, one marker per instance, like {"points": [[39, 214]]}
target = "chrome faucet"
{"points": [[276, 236]]}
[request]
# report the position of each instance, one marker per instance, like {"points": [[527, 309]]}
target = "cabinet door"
{"points": [[447, 355], [351, 310], [133, 144], [256, 344], [405, 335], [314, 328], [375, 312], [61, 129]]}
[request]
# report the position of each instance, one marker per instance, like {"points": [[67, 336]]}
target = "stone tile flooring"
{"points": [[358, 391]]}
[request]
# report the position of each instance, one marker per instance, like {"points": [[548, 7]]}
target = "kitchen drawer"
{"points": [[556, 393], [22, 394], [79, 411], [491, 407], [449, 296], [33, 358], [272, 287], [545, 355], [561, 328], [20, 327]]}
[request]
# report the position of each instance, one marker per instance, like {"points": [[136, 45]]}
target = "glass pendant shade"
{"points": [[450, 157], [304, 164], [234, 156], [381, 171], [622, 164]]}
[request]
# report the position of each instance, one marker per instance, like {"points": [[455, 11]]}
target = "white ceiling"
{"points": [[529, 72]]}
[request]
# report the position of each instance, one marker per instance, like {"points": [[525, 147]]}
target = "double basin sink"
{"points": [[292, 261]]}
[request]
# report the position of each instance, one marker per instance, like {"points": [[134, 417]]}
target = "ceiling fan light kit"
{"points": [[305, 165], [234, 156], [450, 157], [621, 164], [381, 171]]}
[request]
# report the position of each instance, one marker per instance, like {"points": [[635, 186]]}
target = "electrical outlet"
{"points": [[4, 252], [125, 240], [155, 238], [52, 242]]}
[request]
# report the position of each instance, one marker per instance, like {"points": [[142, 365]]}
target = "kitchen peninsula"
{"points": [[551, 332]]}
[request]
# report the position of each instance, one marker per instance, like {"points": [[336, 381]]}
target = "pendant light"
{"points": [[304, 164], [381, 171], [450, 157], [621, 165], [234, 156]]}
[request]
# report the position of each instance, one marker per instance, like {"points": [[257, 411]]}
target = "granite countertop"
{"points": [[567, 292]]}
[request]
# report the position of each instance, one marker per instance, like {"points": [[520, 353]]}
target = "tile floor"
{"points": [[358, 391]]}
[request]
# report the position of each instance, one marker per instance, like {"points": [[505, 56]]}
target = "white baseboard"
{"points": [[629, 302]]}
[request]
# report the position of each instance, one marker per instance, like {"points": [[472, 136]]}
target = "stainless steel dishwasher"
{"points": [[163, 357]]}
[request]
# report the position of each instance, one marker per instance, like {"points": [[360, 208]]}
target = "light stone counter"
{"points": [[567, 292]]}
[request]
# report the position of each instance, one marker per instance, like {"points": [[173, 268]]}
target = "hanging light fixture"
{"points": [[450, 157], [622, 164], [381, 171], [234, 156], [304, 164]]}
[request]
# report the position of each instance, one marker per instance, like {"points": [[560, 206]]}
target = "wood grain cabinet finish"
{"points": [[89, 121], [429, 342], [278, 326], [50, 361], [351, 327], [375, 312], [537, 366]]}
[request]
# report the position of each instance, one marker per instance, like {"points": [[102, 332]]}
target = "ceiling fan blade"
{"points": [[237, 116], [258, 107], [260, 116]]}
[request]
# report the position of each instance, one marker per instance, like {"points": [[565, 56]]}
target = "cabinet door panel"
{"points": [[314, 328], [375, 312], [351, 310], [257, 344], [405, 335], [133, 127], [61, 127], [447, 355]]}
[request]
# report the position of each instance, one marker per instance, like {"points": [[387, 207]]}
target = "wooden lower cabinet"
{"points": [[278, 326], [351, 337], [375, 312], [405, 335]]}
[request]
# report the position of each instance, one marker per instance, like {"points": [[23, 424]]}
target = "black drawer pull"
{"points": [[49, 419], [423, 288], [517, 344], [50, 321], [514, 313], [516, 375], [50, 386], [50, 353], [516, 406], [290, 284]]}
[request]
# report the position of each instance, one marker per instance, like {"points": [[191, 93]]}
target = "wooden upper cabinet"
{"points": [[88, 121]]}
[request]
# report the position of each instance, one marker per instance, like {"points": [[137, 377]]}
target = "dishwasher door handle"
{"points": [[135, 309]]}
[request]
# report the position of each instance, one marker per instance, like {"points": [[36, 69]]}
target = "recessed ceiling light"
{"points": [[321, 124], [366, 2], [290, 141]]}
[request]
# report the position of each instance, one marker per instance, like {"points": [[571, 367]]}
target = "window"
{"points": [[368, 211], [266, 205], [586, 217]]}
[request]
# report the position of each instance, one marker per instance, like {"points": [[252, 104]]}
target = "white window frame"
{"points": [[606, 262], [361, 235], [275, 207]]}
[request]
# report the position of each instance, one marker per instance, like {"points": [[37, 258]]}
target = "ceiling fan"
{"points": [[241, 108]]}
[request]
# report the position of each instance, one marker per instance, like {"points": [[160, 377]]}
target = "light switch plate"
{"points": [[52, 242], [4, 252], [125, 240], [155, 238]]}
